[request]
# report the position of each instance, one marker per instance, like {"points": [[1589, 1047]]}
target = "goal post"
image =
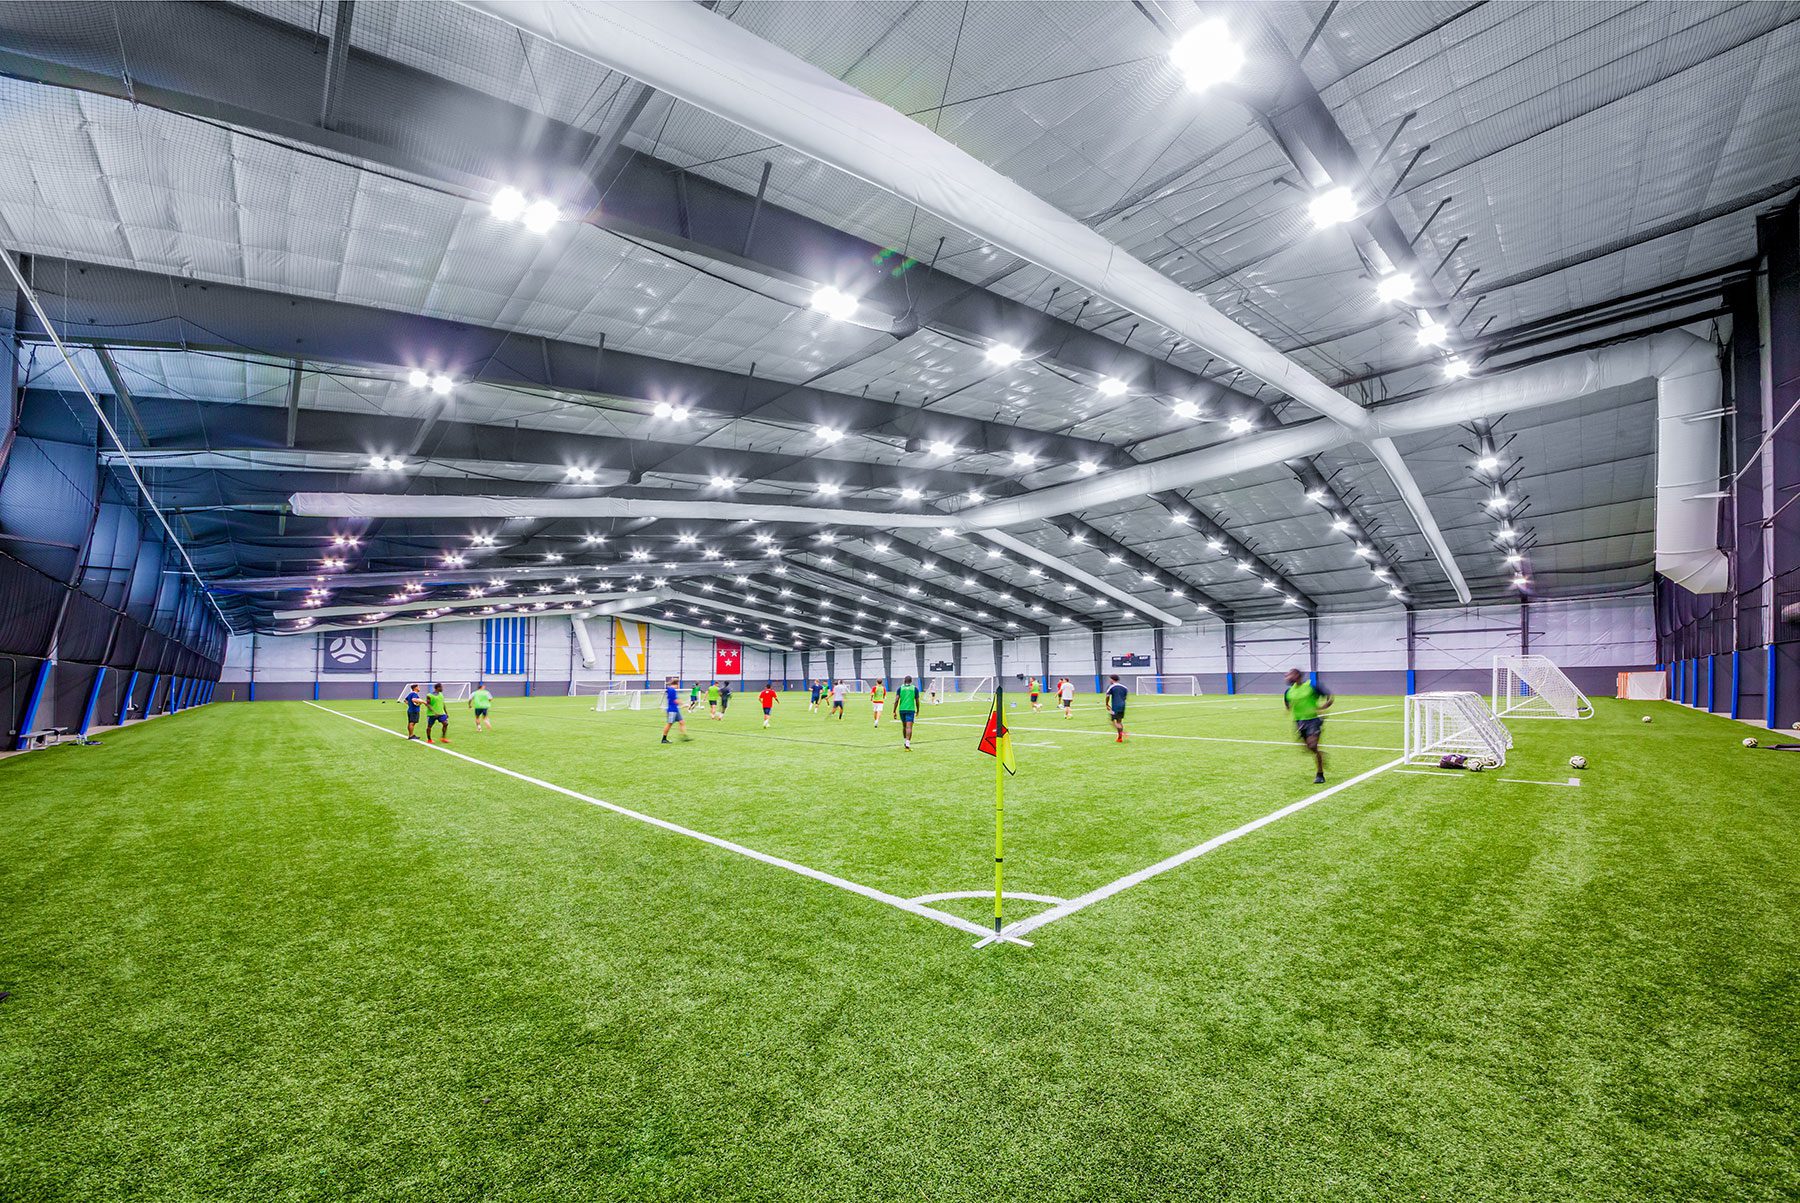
{"points": [[1534, 687], [454, 691], [587, 689], [1453, 721], [1644, 687], [1181, 685], [620, 699], [959, 689]]}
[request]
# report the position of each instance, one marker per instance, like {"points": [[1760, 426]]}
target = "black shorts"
{"points": [[768, 710], [1309, 728], [1118, 715], [837, 705], [412, 714], [439, 718], [481, 711]]}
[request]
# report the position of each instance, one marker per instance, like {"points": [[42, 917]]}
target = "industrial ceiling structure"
{"points": [[414, 310]]}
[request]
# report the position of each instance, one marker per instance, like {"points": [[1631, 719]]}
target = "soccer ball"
{"points": [[1578, 762], [1750, 741], [1477, 765], [1646, 718]]}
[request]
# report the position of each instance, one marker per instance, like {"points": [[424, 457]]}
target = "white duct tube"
{"points": [[697, 56], [584, 642], [1093, 582], [395, 505]]}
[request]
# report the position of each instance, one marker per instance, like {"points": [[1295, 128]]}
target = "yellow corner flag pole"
{"points": [[999, 805]]}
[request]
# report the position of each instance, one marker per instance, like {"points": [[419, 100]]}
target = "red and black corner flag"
{"points": [[996, 740]]}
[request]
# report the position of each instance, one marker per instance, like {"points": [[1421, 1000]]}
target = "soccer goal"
{"points": [[454, 691], [620, 699], [587, 689], [1533, 687], [1439, 723], [1644, 687], [1181, 686]]}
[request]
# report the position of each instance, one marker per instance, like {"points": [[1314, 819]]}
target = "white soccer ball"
{"points": [[1646, 718], [1477, 765], [1750, 741], [1578, 762]]}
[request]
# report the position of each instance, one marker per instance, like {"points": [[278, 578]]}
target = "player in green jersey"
{"points": [[1305, 701], [906, 709], [480, 701]]}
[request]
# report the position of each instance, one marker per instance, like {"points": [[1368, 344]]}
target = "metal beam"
{"points": [[1098, 540]]}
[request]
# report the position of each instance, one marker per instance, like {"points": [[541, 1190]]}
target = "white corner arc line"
{"points": [[949, 894], [893, 900], [1033, 922]]}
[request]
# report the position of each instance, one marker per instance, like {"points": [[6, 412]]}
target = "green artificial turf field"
{"points": [[263, 951]]}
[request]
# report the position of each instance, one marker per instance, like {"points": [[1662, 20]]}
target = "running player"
{"points": [[1031, 687], [712, 701], [413, 699], [694, 696], [1304, 701], [906, 708], [436, 711], [767, 698], [1065, 695], [1115, 705], [935, 700], [837, 700], [878, 697], [672, 716], [812, 702], [724, 697], [479, 702]]}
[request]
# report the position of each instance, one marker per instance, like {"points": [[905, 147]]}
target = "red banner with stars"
{"points": [[728, 658]]}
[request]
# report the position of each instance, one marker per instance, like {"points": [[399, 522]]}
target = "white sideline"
{"points": [[892, 900], [1033, 922]]}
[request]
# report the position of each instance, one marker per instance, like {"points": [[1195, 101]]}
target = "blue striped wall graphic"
{"points": [[503, 646]]}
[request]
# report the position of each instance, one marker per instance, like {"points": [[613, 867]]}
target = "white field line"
{"points": [[1211, 739], [1573, 781], [1033, 922], [1441, 774], [830, 879], [1333, 712]]}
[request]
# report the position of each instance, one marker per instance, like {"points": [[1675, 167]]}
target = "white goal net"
{"points": [[454, 691], [1644, 687], [1439, 723], [1181, 686], [620, 699], [1533, 687], [959, 689], [587, 689]]}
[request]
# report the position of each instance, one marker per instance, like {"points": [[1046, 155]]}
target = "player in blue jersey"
{"points": [[1115, 705], [672, 715]]}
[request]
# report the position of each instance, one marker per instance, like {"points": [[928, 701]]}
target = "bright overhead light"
{"points": [[1332, 207], [1023, 459], [908, 493], [1521, 580], [508, 204], [1317, 496], [1457, 368], [942, 448], [1087, 467], [1396, 591], [946, 532], [1187, 409], [553, 557], [1487, 463], [1364, 551], [1111, 386], [827, 489], [1004, 355], [540, 217], [1395, 287], [418, 378], [1206, 55], [1240, 425], [834, 303], [1430, 333], [1506, 533], [1342, 524], [687, 538], [575, 472], [973, 496], [1498, 501], [1215, 544], [1179, 519], [1513, 557], [828, 433], [722, 482], [442, 384]]}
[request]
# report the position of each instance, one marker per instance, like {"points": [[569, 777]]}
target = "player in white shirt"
{"points": [[1065, 696], [837, 700]]}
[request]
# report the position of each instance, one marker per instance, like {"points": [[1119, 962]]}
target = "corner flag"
{"points": [[996, 740]]}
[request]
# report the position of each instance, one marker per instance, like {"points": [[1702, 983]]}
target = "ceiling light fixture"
{"points": [[834, 303], [1332, 207], [1394, 288], [1111, 386], [1004, 355]]}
